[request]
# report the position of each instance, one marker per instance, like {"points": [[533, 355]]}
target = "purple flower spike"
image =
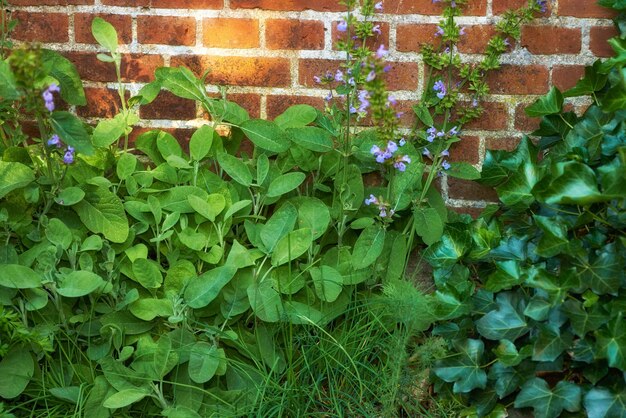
{"points": [[376, 30], [329, 96], [402, 142], [439, 31], [371, 200], [317, 79], [440, 88], [392, 147], [445, 165], [543, 5], [383, 212], [371, 76], [68, 157], [338, 76], [392, 100], [445, 153], [381, 52], [54, 141], [454, 131], [427, 153], [462, 31], [54, 87], [379, 6], [342, 26]]}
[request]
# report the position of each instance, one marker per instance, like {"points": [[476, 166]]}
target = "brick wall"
{"points": [[268, 51]]}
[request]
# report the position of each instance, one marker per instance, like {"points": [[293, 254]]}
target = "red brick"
{"points": [[565, 77], [239, 71], [249, 101], [140, 67], [41, 27], [579, 8], [121, 23], [473, 212], [506, 143], [168, 30], [501, 6], [524, 122], [373, 42], [470, 190], [230, 33], [294, 34], [168, 4], [514, 79], [427, 7], [465, 150], [169, 106], [135, 67], [101, 103], [494, 118], [476, 39], [295, 5], [90, 68], [411, 37], [181, 134], [551, 39], [278, 104], [50, 2], [598, 37]]}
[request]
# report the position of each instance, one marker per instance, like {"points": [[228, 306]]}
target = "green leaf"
{"points": [[606, 271], [72, 131], [312, 138], [548, 403], [58, 233], [79, 283], [452, 246], [229, 112], [602, 403], [168, 145], [584, 320], [203, 289], [423, 114], [313, 214], [550, 343], [66, 74], [16, 368], [265, 301], [109, 130], [506, 275], [428, 225], [554, 239], [149, 308], [203, 362], [17, 276], [105, 33], [292, 246], [102, 212], [8, 86], [368, 246], [592, 82], [505, 323], [70, 196], [262, 168], [235, 168], [126, 165], [208, 208], [14, 176], [328, 283], [611, 342], [463, 170], [124, 398], [296, 116], [278, 226], [266, 135], [201, 142], [464, 367], [548, 104], [182, 83], [147, 273], [285, 183]]}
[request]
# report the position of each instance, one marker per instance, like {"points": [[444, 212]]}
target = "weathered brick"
{"points": [[121, 23], [135, 67], [90, 68], [295, 5], [501, 6], [101, 103], [294, 34], [230, 33], [140, 67], [41, 27], [470, 190], [545, 39], [598, 37], [168, 30], [577, 8], [239, 71], [566, 76], [519, 79], [279, 103], [498, 143], [169, 106], [50, 2], [373, 43], [465, 150], [476, 39], [494, 118], [168, 4], [523, 122], [411, 37], [428, 7]]}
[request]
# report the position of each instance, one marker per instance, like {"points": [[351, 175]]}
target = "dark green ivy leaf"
{"points": [[546, 402], [464, 367], [505, 323], [602, 403], [611, 342], [548, 104]]}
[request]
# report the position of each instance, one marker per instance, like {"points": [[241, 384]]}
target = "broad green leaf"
{"points": [[265, 301], [70, 196], [507, 274], [208, 208], [602, 403], [105, 33], [368, 246], [203, 362], [554, 239], [14, 176], [149, 308], [79, 283], [611, 342], [285, 183], [292, 246], [464, 367], [17, 276], [71, 131], [102, 212], [176, 198], [313, 214], [423, 114], [592, 82], [126, 165], [235, 168], [278, 226], [147, 273], [266, 135], [574, 184], [228, 111], [64, 71], [262, 168], [452, 246], [99, 391], [109, 130], [58, 233], [312, 138], [182, 83], [584, 320], [16, 368], [505, 323], [240, 257], [203, 289], [428, 225], [548, 104], [8, 86], [507, 353], [236, 207], [328, 282], [124, 398], [296, 116], [463, 170], [517, 191], [547, 402], [200, 142], [168, 145], [550, 342]]}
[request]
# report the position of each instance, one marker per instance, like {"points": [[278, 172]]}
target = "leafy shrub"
{"points": [[531, 293]]}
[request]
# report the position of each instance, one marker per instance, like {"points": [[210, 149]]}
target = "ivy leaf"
{"points": [[581, 320], [611, 342], [464, 367], [571, 183], [548, 403], [548, 104], [592, 82], [605, 273], [550, 343], [453, 245], [505, 323], [602, 403], [554, 239]]}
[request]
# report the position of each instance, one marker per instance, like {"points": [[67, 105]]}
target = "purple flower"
{"points": [[54, 141], [445, 153], [329, 96], [440, 88], [392, 147], [371, 76], [427, 153], [317, 79], [351, 81], [48, 97], [454, 131], [387, 68], [392, 100], [364, 103], [353, 109], [401, 163], [462, 31], [432, 132], [399, 115], [342, 26], [453, 4], [383, 212], [445, 165], [381, 52], [371, 200], [543, 5], [338, 76], [402, 142], [475, 103], [376, 29], [54, 87], [379, 6], [506, 42], [68, 157], [439, 31]]}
